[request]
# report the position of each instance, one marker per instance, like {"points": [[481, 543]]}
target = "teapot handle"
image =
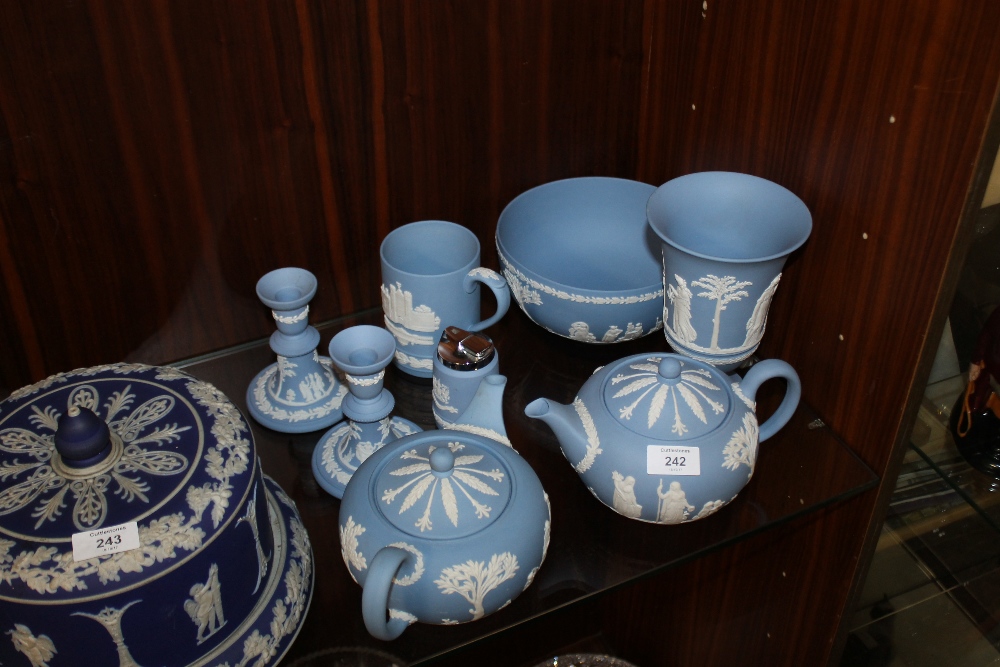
{"points": [[375, 596], [759, 374], [497, 284]]}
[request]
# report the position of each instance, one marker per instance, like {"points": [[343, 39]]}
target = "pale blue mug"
{"points": [[430, 280], [725, 238]]}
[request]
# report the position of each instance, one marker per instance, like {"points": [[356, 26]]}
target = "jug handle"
{"points": [[495, 282], [762, 372], [375, 596]]}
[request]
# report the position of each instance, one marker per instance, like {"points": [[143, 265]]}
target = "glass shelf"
{"points": [[593, 550]]}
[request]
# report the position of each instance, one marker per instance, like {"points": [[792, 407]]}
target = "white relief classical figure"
{"points": [[680, 296], [612, 334], [724, 291], [205, 605], [758, 319], [250, 518], [38, 650], [581, 331], [397, 304], [111, 619], [711, 507], [673, 506], [624, 500], [473, 580]]}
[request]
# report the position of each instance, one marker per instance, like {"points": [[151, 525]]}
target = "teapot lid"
{"points": [[90, 451], [667, 396], [447, 485]]}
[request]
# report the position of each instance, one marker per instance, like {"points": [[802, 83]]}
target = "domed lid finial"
{"points": [[82, 438]]}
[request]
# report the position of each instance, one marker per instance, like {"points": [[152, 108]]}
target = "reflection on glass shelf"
{"points": [[593, 550]]}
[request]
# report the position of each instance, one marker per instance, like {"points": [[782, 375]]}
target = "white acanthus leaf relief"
{"points": [[349, 533], [645, 382], [473, 580], [742, 446], [418, 565], [590, 430], [465, 478], [38, 650]]}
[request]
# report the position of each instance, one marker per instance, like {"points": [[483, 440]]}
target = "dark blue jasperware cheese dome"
{"points": [[137, 529]]}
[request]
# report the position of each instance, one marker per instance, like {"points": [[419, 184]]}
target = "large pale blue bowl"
{"points": [[580, 259]]}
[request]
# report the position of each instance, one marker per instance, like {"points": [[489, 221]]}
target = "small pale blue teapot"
{"points": [[664, 438], [444, 526]]}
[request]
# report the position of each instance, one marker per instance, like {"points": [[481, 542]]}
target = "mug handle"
{"points": [[760, 373], [495, 282], [375, 595]]}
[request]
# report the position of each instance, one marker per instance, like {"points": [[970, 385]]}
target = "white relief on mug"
{"points": [[414, 362], [673, 506], [593, 441], [205, 605], [111, 619], [38, 650], [397, 304], [742, 446], [418, 565], [624, 500], [442, 396], [691, 389], [581, 331], [404, 337], [487, 275], [473, 580], [349, 533], [711, 507], [465, 477]]}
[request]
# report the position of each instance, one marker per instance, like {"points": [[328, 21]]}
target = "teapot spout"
{"points": [[484, 416], [566, 423]]}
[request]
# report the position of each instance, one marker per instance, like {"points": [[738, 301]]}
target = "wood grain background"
{"points": [[156, 158]]}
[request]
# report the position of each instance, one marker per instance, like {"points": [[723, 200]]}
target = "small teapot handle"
{"points": [[375, 596], [760, 373]]}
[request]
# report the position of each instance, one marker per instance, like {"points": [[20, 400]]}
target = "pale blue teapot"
{"points": [[664, 438], [444, 526]]}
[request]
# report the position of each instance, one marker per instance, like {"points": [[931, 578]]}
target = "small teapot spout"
{"points": [[484, 416], [566, 423]]}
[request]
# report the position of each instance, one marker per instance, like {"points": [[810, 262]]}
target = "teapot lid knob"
{"points": [[669, 369], [442, 460]]}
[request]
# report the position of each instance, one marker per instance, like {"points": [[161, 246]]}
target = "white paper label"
{"points": [[664, 460], [104, 541]]}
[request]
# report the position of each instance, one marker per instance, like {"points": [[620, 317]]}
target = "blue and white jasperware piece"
{"points": [[664, 438], [725, 238], [300, 392], [442, 527], [137, 529], [581, 260], [362, 352], [430, 280]]}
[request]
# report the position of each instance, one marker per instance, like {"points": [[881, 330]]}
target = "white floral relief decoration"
{"points": [[742, 446], [691, 389], [38, 650], [465, 478], [349, 533], [510, 270], [593, 441], [414, 362], [47, 569], [473, 580]]}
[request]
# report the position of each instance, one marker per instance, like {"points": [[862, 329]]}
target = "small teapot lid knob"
{"points": [[442, 460], [82, 437], [669, 369]]}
